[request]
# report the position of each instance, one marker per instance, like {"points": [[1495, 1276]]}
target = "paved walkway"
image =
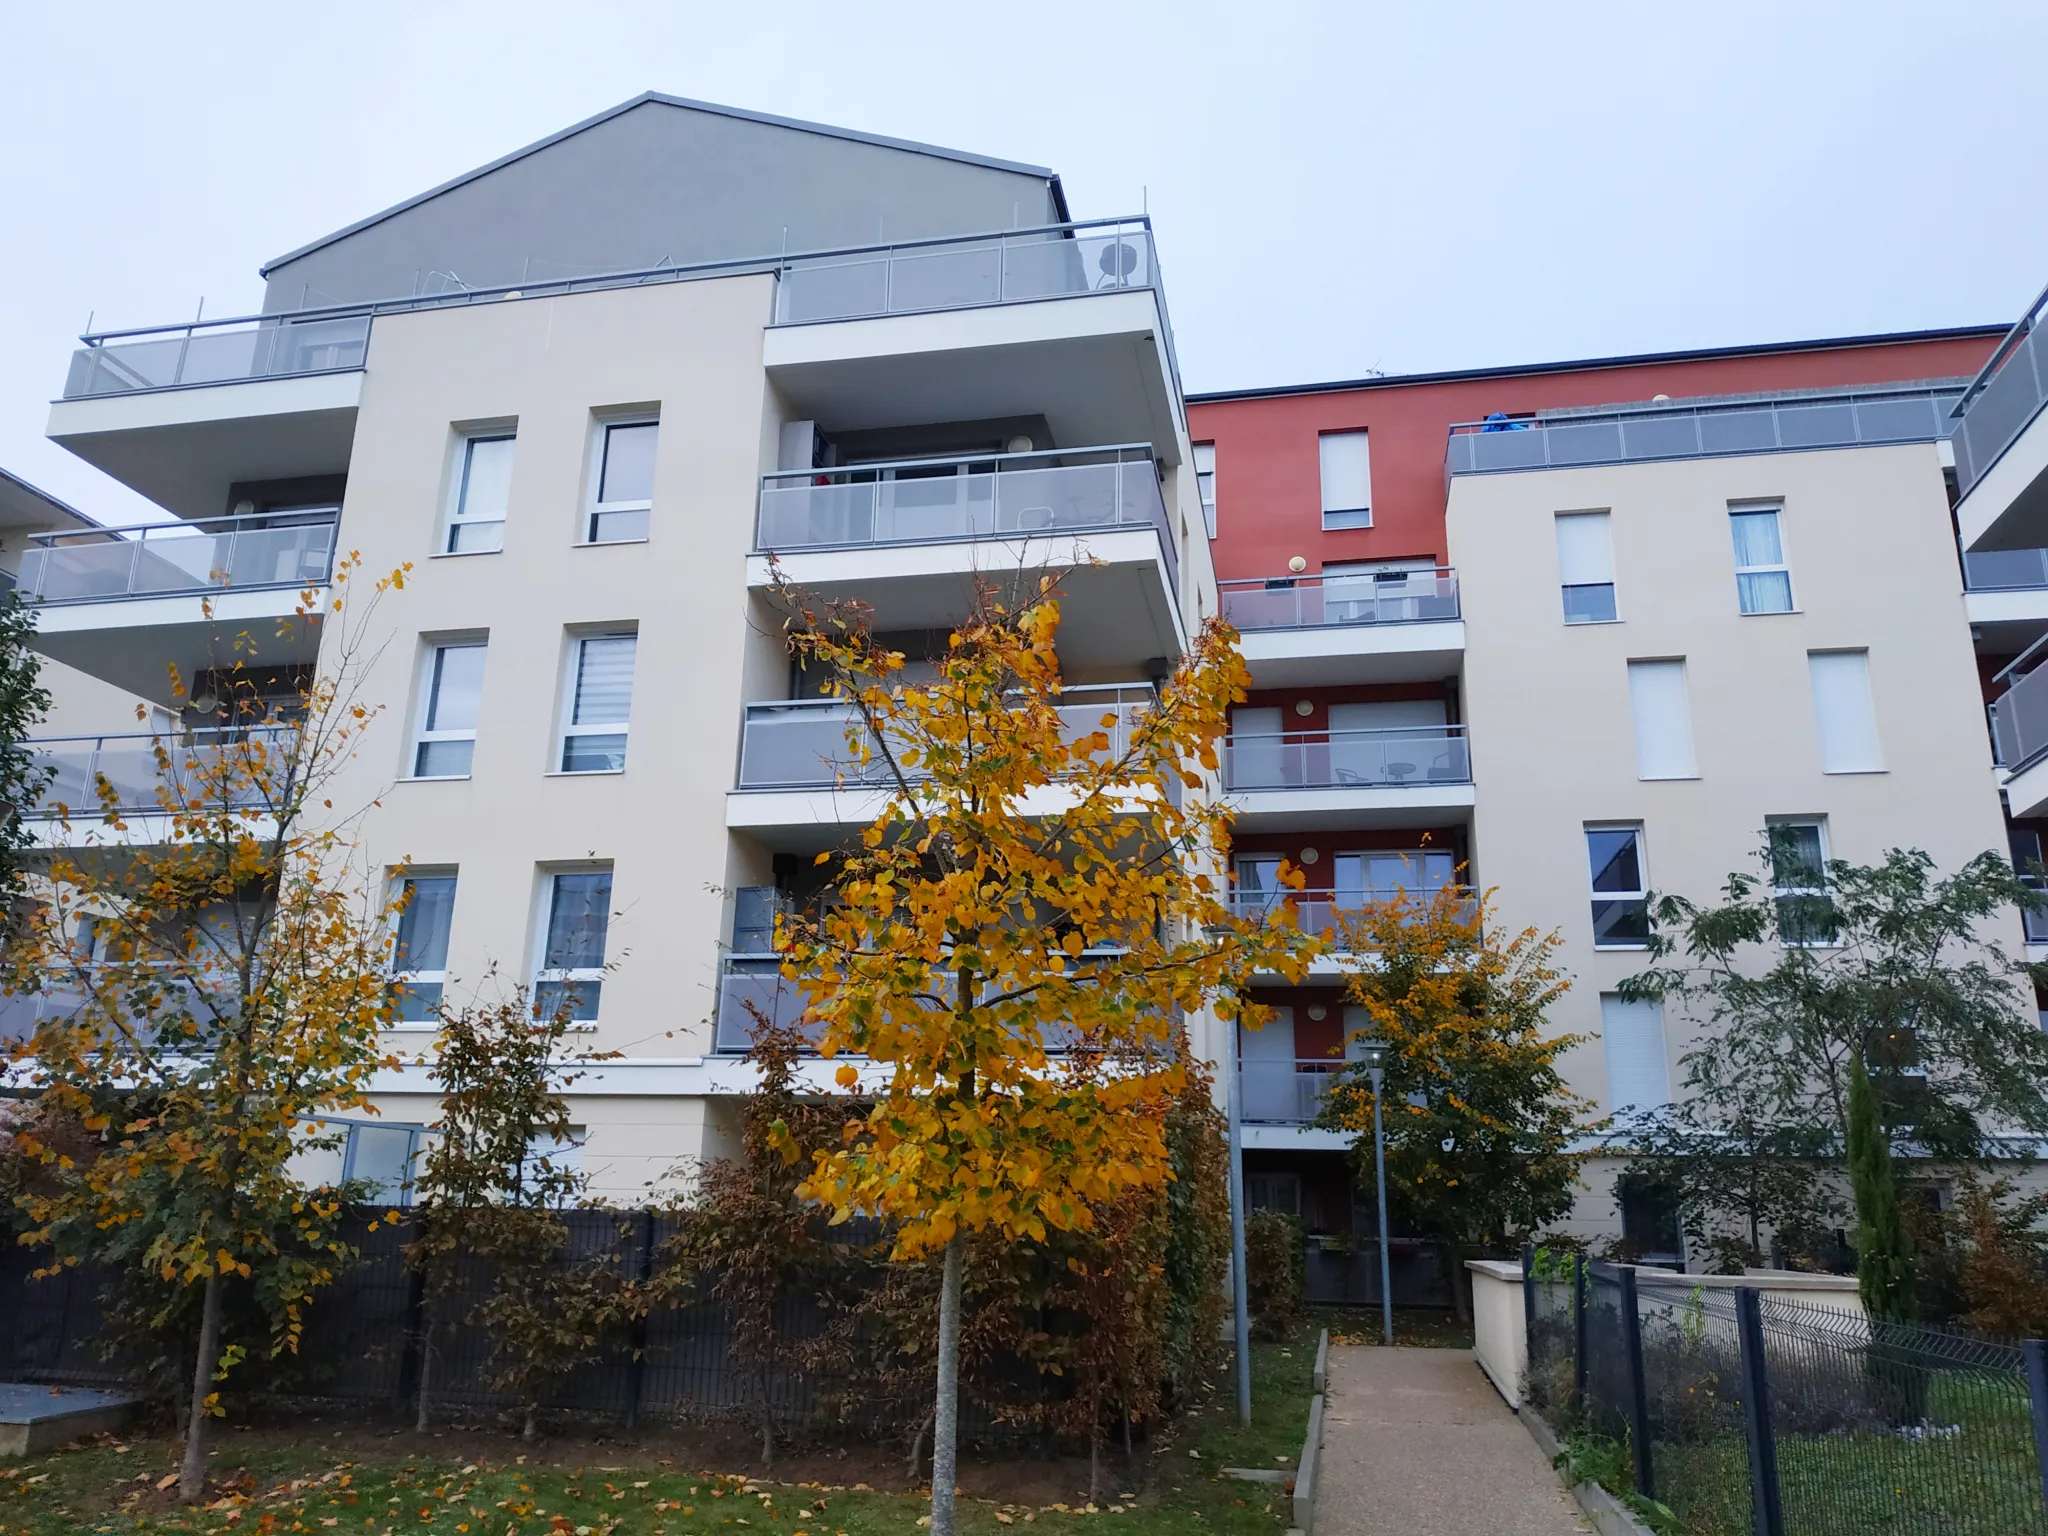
{"points": [[1417, 1443]]}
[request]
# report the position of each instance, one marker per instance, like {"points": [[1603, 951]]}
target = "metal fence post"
{"points": [[1768, 1516], [1578, 1333], [1528, 1295], [1638, 1387], [2036, 1354]]}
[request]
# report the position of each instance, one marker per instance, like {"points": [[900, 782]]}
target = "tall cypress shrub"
{"points": [[1884, 1261]]}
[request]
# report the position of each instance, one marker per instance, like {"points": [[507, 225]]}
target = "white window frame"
{"points": [[1781, 892], [429, 686], [566, 728], [1647, 679], [1777, 510], [544, 973], [1640, 893], [600, 440], [458, 516], [1343, 517], [1205, 483], [1606, 516], [410, 978], [1865, 705]]}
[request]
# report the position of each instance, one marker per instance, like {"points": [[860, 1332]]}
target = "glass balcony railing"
{"points": [[929, 501], [1320, 912], [2002, 401], [268, 549], [2005, 570], [217, 352], [1709, 430], [1285, 1092], [1397, 757], [802, 744], [1013, 267], [128, 764], [2019, 716], [1312, 602]]}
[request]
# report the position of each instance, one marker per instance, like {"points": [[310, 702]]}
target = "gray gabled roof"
{"points": [[911, 145]]}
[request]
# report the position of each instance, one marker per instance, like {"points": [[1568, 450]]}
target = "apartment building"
{"points": [[1578, 632], [586, 392]]}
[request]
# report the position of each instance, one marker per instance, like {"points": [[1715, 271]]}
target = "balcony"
{"points": [[1717, 429], [1378, 626], [2019, 731], [217, 352], [1285, 1092], [2005, 593], [909, 537], [127, 765], [1402, 776], [124, 603], [1320, 912], [2001, 451]]}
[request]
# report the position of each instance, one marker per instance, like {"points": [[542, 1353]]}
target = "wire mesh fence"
{"points": [[1741, 1411]]}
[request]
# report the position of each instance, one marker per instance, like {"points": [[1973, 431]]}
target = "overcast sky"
{"points": [[1337, 188]]}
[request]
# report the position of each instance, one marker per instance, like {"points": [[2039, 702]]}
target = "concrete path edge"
{"points": [[1609, 1515], [1305, 1473]]}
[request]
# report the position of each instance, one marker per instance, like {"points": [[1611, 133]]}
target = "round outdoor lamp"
{"points": [[1372, 1055]]}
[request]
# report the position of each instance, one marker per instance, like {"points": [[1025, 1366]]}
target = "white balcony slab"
{"points": [[1296, 1138], [1324, 654], [1408, 805], [183, 448], [2026, 792]]}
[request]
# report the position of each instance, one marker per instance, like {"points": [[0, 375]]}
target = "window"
{"points": [[571, 971], [1656, 695], [1799, 866], [1258, 884], [624, 480], [1763, 582], [386, 1157], [1632, 1035], [1621, 901], [476, 504], [419, 955], [1205, 483], [1650, 1218], [450, 692], [1843, 713], [1585, 567], [1382, 874], [1273, 1192], [1347, 480], [600, 698]]}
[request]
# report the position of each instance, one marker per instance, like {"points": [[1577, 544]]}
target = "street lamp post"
{"points": [[1372, 1055], [1239, 1297]]}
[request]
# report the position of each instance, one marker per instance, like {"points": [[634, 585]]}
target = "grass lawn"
{"points": [[282, 1478]]}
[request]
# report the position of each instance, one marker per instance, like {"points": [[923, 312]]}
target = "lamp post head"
{"points": [[1372, 1055]]}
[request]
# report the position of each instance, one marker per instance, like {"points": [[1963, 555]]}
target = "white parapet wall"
{"points": [[1499, 1332]]}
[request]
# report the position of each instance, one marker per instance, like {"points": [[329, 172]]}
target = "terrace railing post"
{"points": [[1768, 1516], [1578, 1333], [1638, 1386], [2036, 1354]]}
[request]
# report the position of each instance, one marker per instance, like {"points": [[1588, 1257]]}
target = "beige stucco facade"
{"points": [[1873, 567]]}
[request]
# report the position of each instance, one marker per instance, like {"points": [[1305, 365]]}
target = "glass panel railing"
{"points": [[1699, 431], [128, 765], [223, 353], [2002, 401], [1403, 755], [2019, 720], [1310, 602], [270, 549], [2005, 570], [925, 275], [1321, 912], [1284, 1092]]}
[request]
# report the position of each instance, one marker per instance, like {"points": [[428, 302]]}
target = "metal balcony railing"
{"points": [[2036, 923], [1400, 756], [1311, 602], [217, 352], [2005, 570], [265, 549], [1285, 1092], [2019, 716], [931, 501], [2002, 401], [1708, 430], [128, 763], [802, 744], [1320, 912]]}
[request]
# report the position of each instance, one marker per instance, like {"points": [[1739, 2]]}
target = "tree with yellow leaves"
{"points": [[1018, 936], [1479, 1123], [214, 971]]}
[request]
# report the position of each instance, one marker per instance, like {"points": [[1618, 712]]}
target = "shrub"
{"points": [[1275, 1282]]}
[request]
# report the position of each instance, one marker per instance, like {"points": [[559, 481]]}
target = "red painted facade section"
{"points": [[1268, 471]]}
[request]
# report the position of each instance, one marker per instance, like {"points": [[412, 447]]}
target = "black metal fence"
{"points": [[1349, 1276], [1743, 1412], [365, 1344]]}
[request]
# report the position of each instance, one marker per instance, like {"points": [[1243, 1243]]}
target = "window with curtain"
{"points": [[483, 486], [1585, 567], [1205, 483], [1763, 582], [1346, 463], [599, 704], [1843, 713], [624, 482], [419, 953], [571, 971], [451, 689], [1663, 720], [1258, 883], [1621, 904]]}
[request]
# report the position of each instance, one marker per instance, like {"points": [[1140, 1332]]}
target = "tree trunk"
{"points": [[1095, 1463], [767, 1422], [426, 1366], [946, 1405], [530, 1430], [192, 1475], [917, 1446], [1454, 1273]]}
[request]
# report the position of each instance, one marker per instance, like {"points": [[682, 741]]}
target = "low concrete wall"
{"points": [[1305, 1473], [1499, 1332]]}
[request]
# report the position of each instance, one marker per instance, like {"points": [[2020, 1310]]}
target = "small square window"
{"points": [[1621, 898], [623, 484], [451, 690], [478, 497]]}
